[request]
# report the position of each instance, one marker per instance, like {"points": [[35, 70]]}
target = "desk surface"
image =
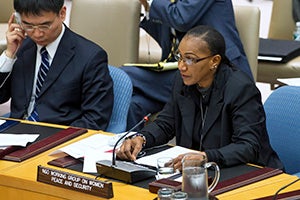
{"points": [[18, 181]]}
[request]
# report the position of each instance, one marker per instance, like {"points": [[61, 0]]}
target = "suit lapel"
{"points": [[62, 57], [187, 110], [214, 110], [28, 67], [216, 100]]}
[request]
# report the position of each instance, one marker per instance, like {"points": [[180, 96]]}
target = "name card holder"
{"points": [[75, 182]]}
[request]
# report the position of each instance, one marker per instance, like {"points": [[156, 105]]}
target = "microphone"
{"points": [[128, 172], [275, 197], [145, 119]]}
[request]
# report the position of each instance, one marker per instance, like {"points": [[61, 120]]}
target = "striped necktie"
{"points": [[44, 68]]}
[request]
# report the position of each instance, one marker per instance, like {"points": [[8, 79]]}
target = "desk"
{"points": [[5, 165], [18, 181]]}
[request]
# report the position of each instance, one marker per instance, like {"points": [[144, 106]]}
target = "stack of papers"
{"points": [[100, 147], [171, 152], [7, 139]]}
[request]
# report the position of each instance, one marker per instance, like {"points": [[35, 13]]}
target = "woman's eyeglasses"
{"points": [[189, 61]]}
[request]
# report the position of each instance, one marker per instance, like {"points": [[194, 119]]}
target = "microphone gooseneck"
{"points": [[145, 119], [282, 188]]}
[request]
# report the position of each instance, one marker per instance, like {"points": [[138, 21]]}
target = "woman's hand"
{"points": [[195, 156], [130, 148]]}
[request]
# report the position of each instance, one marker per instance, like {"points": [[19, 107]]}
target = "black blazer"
{"points": [[234, 131], [78, 89]]}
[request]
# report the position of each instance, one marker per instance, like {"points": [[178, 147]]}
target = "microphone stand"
{"points": [[122, 170], [282, 188], [145, 119]]}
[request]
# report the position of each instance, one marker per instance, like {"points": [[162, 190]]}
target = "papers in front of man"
{"points": [[2, 121], [8, 139]]}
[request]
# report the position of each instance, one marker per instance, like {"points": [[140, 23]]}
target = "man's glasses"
{"points": [[41, 27], [30, 28], [189, 61]]}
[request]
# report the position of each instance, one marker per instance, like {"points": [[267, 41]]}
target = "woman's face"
{"points": [[196, 64]]}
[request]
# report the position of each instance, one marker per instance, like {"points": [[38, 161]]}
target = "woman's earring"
{"points": [[213, 68]]}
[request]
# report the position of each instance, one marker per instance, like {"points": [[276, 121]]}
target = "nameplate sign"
{"points": [[75, 182]]}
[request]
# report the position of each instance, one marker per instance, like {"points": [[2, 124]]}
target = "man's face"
{"points": [[45, 28]]}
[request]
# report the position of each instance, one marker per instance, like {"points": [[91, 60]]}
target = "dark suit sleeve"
{"points": [[5, 87], [182, 15]]}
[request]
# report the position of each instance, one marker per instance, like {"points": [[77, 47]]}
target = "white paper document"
{"points": [[2, 121], [8, 139], [92, 149], [290, 81], [172, 152], [100, 147]]}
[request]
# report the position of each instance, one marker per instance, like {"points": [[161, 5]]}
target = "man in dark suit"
{"points": [[168, 18], [77, 90]]}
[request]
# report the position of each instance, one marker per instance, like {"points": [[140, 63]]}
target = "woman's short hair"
{"points": [[214, 39]]}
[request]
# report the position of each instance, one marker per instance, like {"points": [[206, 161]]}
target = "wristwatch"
{"points": [[141, 135]]}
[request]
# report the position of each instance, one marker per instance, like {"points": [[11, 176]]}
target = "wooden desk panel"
{"points": [[5, 165], [263, 188]]}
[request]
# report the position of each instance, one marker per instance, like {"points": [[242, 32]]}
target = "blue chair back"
{"points": [[282, 109], [122, 98]]}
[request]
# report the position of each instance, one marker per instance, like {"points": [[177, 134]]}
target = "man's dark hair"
{"points": [[35, 7]]}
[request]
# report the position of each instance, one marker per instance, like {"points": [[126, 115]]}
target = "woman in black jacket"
{"points": [[214, 108]]}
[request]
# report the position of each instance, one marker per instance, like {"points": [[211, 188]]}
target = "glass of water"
{"points": [[165, 167], [195, 178], [179, 196], [165, 194]]}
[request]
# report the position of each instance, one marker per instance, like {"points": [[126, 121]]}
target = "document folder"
{"points": [[158, 67], [278, 50], [49, 137]]}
